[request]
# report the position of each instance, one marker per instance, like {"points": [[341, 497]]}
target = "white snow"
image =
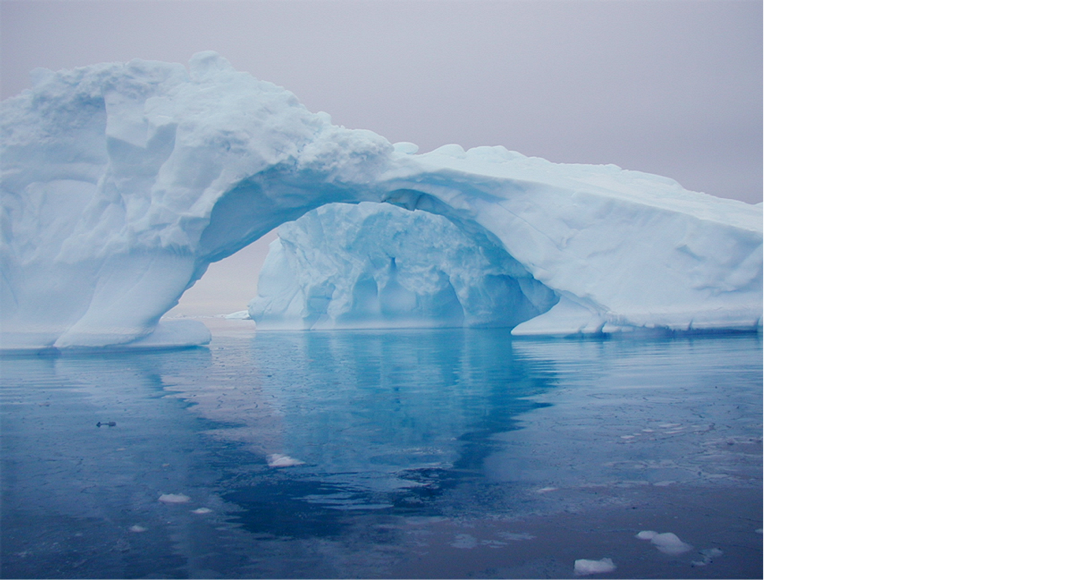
{"points": [[585, 567], [122, 182]]}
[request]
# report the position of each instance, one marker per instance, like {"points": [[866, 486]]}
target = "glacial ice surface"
{"points": [[122, 182]]}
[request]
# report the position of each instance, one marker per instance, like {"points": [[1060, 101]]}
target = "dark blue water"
{"points": [[446, 453]]}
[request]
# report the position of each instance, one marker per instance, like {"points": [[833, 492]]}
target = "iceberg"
{"points": [[122, 182]]}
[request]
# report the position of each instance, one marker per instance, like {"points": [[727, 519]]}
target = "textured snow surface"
{"points": [[122, 182]]}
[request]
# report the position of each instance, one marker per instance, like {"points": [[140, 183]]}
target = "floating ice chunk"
{"points": [[516, 537], [464, 542], [667, 542], [173, 498], [137, 529], [201, 511], [585, 567], [282, 460], [239, 315], [708, 556]]}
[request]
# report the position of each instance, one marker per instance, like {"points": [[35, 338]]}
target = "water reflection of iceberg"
{"points": [[393, 419], [392, 427]]}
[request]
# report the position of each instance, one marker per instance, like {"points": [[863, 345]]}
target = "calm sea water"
{"points": [[446, 453]]}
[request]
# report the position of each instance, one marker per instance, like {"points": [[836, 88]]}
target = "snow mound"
{"points": [[122, 182]]}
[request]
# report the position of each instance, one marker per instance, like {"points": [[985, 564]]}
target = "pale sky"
{"points": [[666, 87]]}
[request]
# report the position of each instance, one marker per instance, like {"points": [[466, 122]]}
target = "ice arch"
{"points": [[122, 182]]}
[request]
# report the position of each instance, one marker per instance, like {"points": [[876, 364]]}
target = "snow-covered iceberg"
{"points": [[122, 182]]}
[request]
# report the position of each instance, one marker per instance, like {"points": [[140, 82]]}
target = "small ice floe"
{"points": [[106, 424], [137, 529], [516, 537], [708, 556], [464, 542], [585, 567], [759, 530], [546, 489], [282, 460], [173, 498], [201, 511], [667, 542]]}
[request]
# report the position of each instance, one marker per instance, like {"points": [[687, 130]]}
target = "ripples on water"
{"points": [[396, 450]]}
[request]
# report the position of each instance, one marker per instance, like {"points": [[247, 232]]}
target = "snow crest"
{"points": [[122, 182]]}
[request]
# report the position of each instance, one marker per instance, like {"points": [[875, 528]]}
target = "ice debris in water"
{"points": [[173, 498], [464, 542], [667, 542], [282, 460], [708, 556], [585, 567], [202, 510], [137, 528]]}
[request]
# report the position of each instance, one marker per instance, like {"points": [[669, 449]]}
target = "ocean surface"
{"points": [[401, 454]]}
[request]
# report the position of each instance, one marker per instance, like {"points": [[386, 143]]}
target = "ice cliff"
{"points": [[122, 182]]}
